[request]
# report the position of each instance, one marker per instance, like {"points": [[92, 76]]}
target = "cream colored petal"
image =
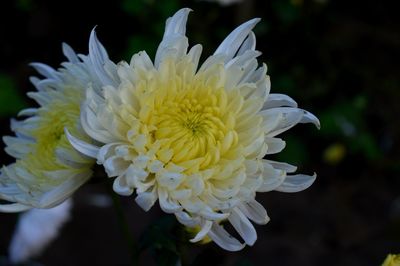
{"points": [[205, 228], [187, 220], [146, 200], [121, 187], [166, 203], [115, 166]]}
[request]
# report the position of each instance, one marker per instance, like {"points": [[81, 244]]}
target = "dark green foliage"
{"points": [[160, 240], [11, 102]]}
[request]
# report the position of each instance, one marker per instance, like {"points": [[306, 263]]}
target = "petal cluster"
{"points": [[193, 136], [48, 169]]}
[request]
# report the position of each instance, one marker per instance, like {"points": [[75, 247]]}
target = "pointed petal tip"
{"points": [[254, 20], [177, 23], [317, 123], [231, 44], [182, 13], [310, 118], [185, 10], [93, 35], [297, 183]]}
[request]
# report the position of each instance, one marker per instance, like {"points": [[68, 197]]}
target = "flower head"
{"points": [[193, 137], [392, 260], [47, 168]]}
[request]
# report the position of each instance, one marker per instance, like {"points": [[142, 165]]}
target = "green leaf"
{"points": [[286, 11], [160, 239], [366, 143], [24, 5], [11, 102], [133, 7]]}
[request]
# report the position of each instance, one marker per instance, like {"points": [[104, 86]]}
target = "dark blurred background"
{"points": [[338, 59]]}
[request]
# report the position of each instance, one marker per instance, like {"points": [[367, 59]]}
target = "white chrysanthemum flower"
{"points": [[194, 138], [47, 168]]}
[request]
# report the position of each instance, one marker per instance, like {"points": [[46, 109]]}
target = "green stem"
{"points": [[181, 247], [123, 225]]}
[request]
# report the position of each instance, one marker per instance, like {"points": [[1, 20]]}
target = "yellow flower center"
{"points": [[184, 121], [192, 121], [49, 135]]}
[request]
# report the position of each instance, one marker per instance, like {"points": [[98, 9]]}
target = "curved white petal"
{"points": [[209, 214], [174, 42], [187, 220], [121, 187], [99, 58], [296, 183], [234, 40], [243, 226], [61, 192], [278, 100], [14, 207], [69, 53], [203, 232], [275, 145], [290, 117], [273, 178], [310, 118], [92, 127], [223, 239], [254, 211], [146, 200], [81, 146], [106, 151], [28, 112], [166, 204], [288, 168], [248, 44], [177, 23], [45, 70], [115, 166]]}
